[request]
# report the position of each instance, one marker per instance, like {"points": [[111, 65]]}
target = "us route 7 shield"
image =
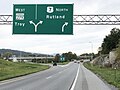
{"points": [[43, 19]]}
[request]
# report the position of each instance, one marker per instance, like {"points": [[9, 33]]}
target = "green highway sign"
{"points": [[43, 19], [62, 58]]}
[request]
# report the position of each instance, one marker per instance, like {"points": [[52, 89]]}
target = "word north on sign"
{"points": [[43, 19]]}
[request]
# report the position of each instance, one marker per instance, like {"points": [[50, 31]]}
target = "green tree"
{"points": [[57, 58], [111, 41], [69, 56], [74, 56], [7, 55]]}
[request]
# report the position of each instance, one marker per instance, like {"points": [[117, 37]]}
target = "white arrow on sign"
{"points": [[65, 24], [40, 22]]}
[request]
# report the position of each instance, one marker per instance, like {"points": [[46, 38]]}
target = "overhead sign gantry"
{"points": [[100, 19]]}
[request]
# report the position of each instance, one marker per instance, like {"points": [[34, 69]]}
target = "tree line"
{"points": [[112, 42], [69, 56]]}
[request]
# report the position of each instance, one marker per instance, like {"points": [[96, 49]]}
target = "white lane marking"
{"points": [[55, 74], [65, 65], [74, 83], [60, 72], [49, 77]]}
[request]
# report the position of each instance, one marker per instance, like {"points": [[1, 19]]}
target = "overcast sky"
{"points": [[78, 43]]}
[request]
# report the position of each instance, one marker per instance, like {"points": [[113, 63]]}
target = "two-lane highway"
{"points": [[56, 78], [73, 76]]}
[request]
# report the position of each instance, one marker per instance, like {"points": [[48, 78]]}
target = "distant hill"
{"points": [[18, 53]]}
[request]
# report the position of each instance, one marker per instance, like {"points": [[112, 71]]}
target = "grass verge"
{"points": [[63, 63], [9, 69], [110, 75]]}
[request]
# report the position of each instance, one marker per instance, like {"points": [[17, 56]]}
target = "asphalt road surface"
{"points": [[73, 76]]}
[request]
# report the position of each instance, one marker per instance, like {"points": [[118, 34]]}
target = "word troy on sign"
{"points": [[43, 19]]}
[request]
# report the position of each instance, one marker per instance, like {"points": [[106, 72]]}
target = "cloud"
{"points": [[78, 43]]}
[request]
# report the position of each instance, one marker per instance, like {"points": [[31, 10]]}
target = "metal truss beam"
{"points": [[96, 19], [78, 19], [5, 19]]}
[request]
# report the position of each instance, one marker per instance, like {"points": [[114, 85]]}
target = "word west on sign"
{"points": [[43, 19]]}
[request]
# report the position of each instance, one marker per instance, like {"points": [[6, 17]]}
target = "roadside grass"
{"points": [[112, 76], [10, 69], [63, 63]]}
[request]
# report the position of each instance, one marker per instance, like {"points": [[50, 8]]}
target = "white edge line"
{"points": [[73, 86], [11, 80]]}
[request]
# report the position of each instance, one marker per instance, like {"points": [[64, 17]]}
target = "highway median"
{"points": [[10, 69], [63, 63]]}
